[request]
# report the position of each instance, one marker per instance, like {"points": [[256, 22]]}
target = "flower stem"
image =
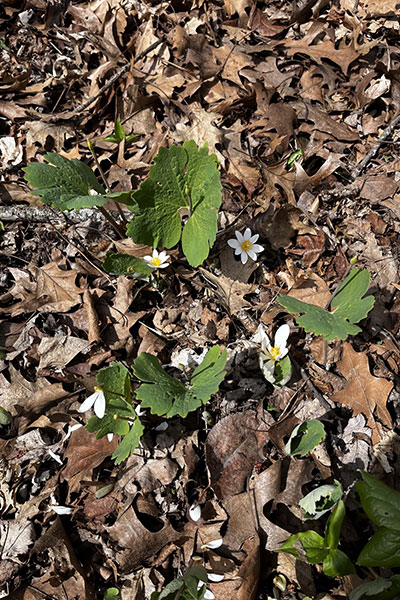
{"points": [[104, 212]]}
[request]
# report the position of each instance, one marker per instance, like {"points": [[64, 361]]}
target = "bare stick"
{"points": [[113, 79], [385, 134]]}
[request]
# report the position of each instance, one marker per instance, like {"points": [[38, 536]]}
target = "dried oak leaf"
{"points": [[84, 454], [364, 393], [50, 290], [230, 292]]}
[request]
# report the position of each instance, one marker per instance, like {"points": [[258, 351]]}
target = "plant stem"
{"points": [[119, 229]]}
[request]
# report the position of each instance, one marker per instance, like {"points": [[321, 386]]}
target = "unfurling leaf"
{"points": [[305, 437], [182, 177], [321, 500], [167, 396], [349, 308]]}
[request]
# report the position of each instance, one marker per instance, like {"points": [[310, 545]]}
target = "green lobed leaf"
{"points": [[305, 437], [129, 443], [321, 500], [126, 264], [182, 177], [165, 395], [65, 184], [379, 501], [349, 308]]}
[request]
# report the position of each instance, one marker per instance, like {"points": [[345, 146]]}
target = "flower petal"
{"points": [[247, 233], [215, 577], [213, 544], [239, 236], [238, 251], [88, 403], [110, 436], [234, 243], [252, 254], [162, 256], [163, 266], [208, 595], [281, 336], [265, 342], [148, 258], [257, 248], [100, 405], [243, 257], [195, 512], [283, 353], [155, 253], [254, 238]]}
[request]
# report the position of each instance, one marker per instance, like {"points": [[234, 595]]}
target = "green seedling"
{"points": [[112, 594], [182, 178], [119, 135], [166, 396], [190, 586], [305, 437], [318, 549], [296, 156], [349, 307]]}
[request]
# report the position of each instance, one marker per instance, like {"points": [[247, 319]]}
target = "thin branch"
{"points": [[385, 134]]}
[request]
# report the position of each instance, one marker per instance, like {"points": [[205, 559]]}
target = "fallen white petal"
{"points": [[62, 510], [214, 577], [162, 426], [195, 512], [55, 456], [213, 544]]}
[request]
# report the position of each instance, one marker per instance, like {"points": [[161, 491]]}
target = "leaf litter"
{"points": [[316, 82]]}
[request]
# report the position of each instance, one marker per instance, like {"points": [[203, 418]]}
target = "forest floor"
{"points": [[292, 98]]}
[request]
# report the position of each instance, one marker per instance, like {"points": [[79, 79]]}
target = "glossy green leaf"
{"points": [[283, 371], [382, 550], [126, 264], [379, 501], [305, 437], [165, 395], [112, 594], [182, 177], [312, 543], [337, 564], [349, 308], [334, 525]]}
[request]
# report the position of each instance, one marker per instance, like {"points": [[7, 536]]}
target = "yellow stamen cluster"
{"points": [[246, 245], [155, 261], [97, 388], [274, 352]]}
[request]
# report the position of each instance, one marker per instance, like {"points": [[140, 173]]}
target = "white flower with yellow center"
{"points": [[157, 260], [97, 400], [245, 245], [271, 354]]}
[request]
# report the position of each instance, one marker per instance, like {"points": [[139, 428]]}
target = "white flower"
{"points": [[157, 260], [270, 355], [93, 192], [245, 245], [98, 400]]}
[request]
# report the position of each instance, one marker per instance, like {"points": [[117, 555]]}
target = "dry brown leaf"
{"points": [[311, 288], [232, 448], [343, 57], [57, 352], [364, 393], [38, 134], [85, 453], [230, 292], [15, 537], [239, 7], [201, 129]]}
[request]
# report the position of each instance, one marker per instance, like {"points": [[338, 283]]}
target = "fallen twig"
{"points": [[385, 134]]}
